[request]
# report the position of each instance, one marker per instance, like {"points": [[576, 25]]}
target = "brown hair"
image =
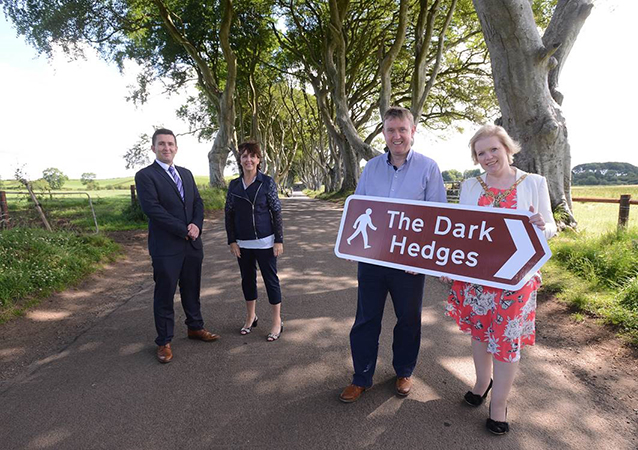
{"points": [[252, 148], [398, 112]]}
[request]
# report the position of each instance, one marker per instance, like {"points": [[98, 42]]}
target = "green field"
{"points": [[605, 191], [106, 185], [598, 218], [113, 208]]}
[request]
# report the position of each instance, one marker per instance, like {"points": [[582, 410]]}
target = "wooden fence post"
{"points": [[133, 199], [38, 207], [4, 211], [623, 211]]}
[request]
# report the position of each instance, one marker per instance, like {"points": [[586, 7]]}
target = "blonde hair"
{"points": [[511, 146]]}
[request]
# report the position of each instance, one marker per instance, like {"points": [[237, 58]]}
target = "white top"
{"points": [[165, 167], [267, 242], [532, 191]]}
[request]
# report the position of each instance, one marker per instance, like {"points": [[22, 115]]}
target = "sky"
{"points": [[74, 115]]}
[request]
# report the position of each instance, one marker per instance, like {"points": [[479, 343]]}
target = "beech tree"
{"points": [[526, 68], [361, 57]]}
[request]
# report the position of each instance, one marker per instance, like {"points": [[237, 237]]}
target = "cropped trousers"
{"points": [[267, 261]]}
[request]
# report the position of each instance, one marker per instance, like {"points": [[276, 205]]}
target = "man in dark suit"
{"points": [[169, 197]]}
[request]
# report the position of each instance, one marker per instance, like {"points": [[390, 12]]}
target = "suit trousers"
{"points": [[268, 267], [406, 291], [168, 272]]}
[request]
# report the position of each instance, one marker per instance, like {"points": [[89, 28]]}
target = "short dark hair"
{"points": [[398, 112], [251, 147], [163, 131]]}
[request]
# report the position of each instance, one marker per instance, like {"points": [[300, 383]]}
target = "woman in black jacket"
{"points": [[255, 234]]}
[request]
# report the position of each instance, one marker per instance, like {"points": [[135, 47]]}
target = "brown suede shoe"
{"points": [[403, 385], [202, 335], [164, 353], [351, 393]]}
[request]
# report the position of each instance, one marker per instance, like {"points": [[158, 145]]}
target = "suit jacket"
{"points": [[532, 191], [169, 215]]}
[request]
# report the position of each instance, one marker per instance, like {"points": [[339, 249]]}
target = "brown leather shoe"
{"points": [[403, 385], [164, 353], [202, 335], [351, 393]]}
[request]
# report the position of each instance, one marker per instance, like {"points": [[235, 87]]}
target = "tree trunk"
{"points": [[225, 140], [223, 102], [223, 144], [333, 180], [350, 165], [521, 65], [424, 31], [385, 66], [336, 67]]}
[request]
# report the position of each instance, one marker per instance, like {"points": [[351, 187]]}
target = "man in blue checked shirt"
{"points": [[399, 173]]}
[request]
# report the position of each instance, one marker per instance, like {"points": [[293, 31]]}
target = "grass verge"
{"points": [[597, 275], [34, 263], [336, 197], [214, 198]]}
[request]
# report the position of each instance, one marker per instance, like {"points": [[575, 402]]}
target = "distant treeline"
{"points": [[454, 175], [590, 174], [609, 173]]}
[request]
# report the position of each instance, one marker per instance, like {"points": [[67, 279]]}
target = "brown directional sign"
{"points": [[490, 246]]}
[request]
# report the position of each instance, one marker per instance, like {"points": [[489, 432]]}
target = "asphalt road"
{"points": [[106, 390]]}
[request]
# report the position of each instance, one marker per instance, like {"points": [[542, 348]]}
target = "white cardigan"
{"points": [[532, 191]]}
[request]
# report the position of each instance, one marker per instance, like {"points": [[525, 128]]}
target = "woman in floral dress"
{"points": [[500, 322]]}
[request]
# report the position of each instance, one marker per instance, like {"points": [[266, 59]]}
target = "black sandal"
{"points": [[272, 337], [246, 330]]}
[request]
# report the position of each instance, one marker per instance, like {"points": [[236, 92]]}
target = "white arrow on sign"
{"points": [[524, 250]]}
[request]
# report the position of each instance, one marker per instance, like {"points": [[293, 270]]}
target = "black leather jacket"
{"points": [[248, 220]]}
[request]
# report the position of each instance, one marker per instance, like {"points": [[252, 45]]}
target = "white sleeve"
{"points": [[466, 195], [545, 208]]}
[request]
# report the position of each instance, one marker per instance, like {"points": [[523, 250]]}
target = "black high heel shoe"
{"points": [[495, 426], [274, 336], [246, 330], [473, 399]]}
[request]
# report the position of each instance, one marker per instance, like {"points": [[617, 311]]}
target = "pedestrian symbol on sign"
{"points": [[361, 224]]}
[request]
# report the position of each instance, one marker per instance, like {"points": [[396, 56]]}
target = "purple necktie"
{"points": [[177, 180]]}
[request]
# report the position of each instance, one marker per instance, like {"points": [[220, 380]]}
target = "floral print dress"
{"points": [[504, 319]]}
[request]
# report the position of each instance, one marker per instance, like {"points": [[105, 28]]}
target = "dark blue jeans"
{"points": [[406, 291], [168, 272], [268, 267]]}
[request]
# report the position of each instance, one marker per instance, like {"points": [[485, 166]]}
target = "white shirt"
{"points": [[165, 167]]}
